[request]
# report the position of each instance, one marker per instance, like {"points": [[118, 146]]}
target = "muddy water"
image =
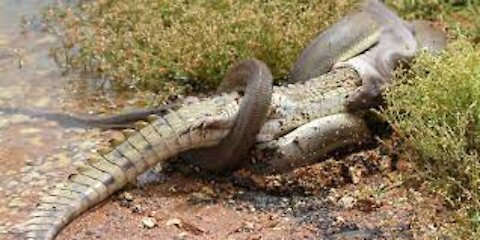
{"points": [[33, 152]]}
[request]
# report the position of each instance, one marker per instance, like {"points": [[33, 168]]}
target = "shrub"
{"points": [[174, 45], [435, 105]]}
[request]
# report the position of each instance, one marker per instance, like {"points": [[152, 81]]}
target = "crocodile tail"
{"points": [[200, 125]]}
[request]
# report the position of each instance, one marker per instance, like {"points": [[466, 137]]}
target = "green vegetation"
{"points": [[460, 16], [172, 46], [436, 103], [435, 106]]}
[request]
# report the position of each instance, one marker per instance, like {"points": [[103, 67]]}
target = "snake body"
{"points": [[350, 36], [256, 78]]}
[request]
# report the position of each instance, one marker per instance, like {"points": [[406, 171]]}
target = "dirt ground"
{"points": [[364, 195], [359, 197]]}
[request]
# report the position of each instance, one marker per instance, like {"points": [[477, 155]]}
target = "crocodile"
{"points": [[305, 122], [200, 124]]}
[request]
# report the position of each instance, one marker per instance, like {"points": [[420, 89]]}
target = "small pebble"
{"points": [[149, 222], [183, 235], [128, 196], [137, 208], [248, 226], [174, 221], [152, 213], [347, 202]]}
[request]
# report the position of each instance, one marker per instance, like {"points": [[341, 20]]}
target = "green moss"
{"points": [[435, 105], [175, 45]]}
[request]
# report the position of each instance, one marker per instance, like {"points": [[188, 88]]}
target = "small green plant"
{"points": [[435, 105], [172, 46]]}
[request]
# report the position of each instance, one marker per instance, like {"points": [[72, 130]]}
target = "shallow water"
{"points": [[33, 153]]}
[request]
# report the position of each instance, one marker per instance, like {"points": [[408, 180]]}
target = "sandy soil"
{"points": [[305, 204]]}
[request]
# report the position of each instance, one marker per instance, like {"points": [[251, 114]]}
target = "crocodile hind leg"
{"points": [[315, 140]]}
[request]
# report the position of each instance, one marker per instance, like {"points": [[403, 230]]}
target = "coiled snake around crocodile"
{"points": [[217, 124]]}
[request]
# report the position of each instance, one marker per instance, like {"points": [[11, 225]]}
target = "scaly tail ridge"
{"points": [[198, 125]]}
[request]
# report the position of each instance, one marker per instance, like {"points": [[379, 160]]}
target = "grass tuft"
{"points": [[459, 16], [435, 105], [173, 46]]}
